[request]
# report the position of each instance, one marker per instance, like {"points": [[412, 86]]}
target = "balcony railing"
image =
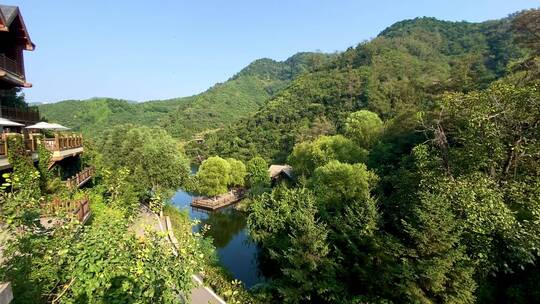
{"points": [[61, 143], [57, 144], [29, 114], [80, 178], [10, 65], [30, 144]]}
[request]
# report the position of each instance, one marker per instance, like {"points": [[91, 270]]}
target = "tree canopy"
{"points": [[363, 127], [214, 176], [152, 156]]}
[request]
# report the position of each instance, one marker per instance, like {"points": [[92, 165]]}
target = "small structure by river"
{"points": [[219, 202]]}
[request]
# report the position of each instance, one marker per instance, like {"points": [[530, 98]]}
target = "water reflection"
{"points": [[224, 225], [235, 249]]}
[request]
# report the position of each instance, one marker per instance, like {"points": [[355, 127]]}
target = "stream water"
{"points": [[235, 250]]}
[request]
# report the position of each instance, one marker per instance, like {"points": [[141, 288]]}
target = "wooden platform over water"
{"points": [[218, 202]]}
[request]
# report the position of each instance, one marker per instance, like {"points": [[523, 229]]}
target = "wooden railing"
{"points": [[3, 148], [30, 143], [58, 143], [28, 114], [62, 142], [10, 65], [80, 209], [80, 178], [223, 200]]}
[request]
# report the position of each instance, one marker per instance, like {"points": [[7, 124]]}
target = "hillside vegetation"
{"points": [[403, 69], [220, 105], [416, 171]]}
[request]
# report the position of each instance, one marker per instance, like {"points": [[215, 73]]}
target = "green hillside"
{"points": [[222, 104], [401, 70]]}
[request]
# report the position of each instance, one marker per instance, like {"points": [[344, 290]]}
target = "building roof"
{"points": [[8, 14], [275, 170]]}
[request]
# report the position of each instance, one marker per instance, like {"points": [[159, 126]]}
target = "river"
{"points": [[236, 252]]}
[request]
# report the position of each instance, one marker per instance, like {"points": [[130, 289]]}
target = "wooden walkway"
{"points": [[219, 202]]}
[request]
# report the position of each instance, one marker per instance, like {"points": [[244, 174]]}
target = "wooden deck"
{"points": [[219, 202], [61, 146]]}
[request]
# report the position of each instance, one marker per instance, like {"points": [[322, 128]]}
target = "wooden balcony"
{"points": [[29, 115], [12, 73], [61, 146], [30, 144], [59, 209], [81, 178], [10, 65]]}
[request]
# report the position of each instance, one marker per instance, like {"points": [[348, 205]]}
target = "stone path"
{"points": [[199, 295]]}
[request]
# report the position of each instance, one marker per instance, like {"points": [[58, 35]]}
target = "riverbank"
{"points": [[214, 274]]}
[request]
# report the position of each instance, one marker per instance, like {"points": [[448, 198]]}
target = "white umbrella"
{"points": [[46, 125], [9, 123], [41, 125], [59, 127]]}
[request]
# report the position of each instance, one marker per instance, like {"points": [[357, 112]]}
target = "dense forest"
{"points": [[416, 164], [404, 69], [224, 103]]}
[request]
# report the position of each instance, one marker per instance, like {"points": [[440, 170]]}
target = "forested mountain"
{"points": [[95, 115], [416, 169], [403, 69], [222, 104]]}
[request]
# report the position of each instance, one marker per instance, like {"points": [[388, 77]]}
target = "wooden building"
{"points": [[14, 39], [280, 172]]}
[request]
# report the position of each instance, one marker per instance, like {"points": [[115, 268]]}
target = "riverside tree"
{"points": [[214, 176], [238, 172], [307, 156], [257, 177]]}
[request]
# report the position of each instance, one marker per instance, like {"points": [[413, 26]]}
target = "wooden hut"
{"points": [[280, 172]]}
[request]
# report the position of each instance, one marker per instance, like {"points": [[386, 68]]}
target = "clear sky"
{"points": [[144, 50]]}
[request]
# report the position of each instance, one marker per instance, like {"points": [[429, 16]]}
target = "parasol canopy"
{"points": [[48, 126], [8, 123]]}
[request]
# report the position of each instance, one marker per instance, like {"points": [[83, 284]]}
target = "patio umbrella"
{"points": [[47, 126], [59, 127], [8, 123]]}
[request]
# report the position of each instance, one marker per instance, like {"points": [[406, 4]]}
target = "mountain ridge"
{"points": [[403, 69], [183, 117]]}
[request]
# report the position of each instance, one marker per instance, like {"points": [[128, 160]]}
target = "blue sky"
{"points": [[144, 50]]}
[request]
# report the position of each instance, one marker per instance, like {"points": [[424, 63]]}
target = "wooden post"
{"points": [[56, 142]]}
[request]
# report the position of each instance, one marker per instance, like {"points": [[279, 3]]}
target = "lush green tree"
{"points": [[214, 176], [337, 185], [442, 272], [307, 156], [144, 270], [364, 127], [285, 223], [527, 29], [258, 179], [238, 172], [152, 156]]}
